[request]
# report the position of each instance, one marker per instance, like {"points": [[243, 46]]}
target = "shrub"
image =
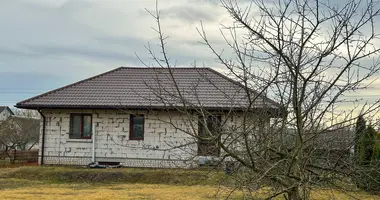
{"points": [[367, 177]]}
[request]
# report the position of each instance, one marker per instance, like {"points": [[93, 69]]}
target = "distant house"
{"points": [[5, 112], [20, 133], [123, 116], [334, 143]]}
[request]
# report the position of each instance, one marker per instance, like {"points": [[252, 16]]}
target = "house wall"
{"points": [[112, 139], [112, 142]]}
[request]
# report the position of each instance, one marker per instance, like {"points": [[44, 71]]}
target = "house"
{"points": [[20, 133], [127, 116], [332, 144], [5, 112]]}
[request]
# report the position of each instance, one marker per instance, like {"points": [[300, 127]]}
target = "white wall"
{"points": [[4, 114], [112, 139]]}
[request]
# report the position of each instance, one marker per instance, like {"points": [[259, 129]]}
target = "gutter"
{"points": [[43, 137], [93, 142]]}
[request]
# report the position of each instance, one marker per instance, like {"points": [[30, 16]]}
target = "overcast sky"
{"points": [[46, 44]]}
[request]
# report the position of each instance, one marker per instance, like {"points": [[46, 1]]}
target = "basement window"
{"points": [[80, 126], [136, 127]]}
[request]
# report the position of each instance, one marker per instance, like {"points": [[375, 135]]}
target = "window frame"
{"points": [[131, 136], [81, 125]]}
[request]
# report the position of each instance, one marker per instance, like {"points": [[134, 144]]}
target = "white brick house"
{"points": [[118, 117]]}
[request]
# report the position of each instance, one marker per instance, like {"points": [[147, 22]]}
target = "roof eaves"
{"points": [[274, 111]]}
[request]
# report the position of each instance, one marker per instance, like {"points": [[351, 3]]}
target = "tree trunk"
{"points": [[14, 157], [293, 194]]}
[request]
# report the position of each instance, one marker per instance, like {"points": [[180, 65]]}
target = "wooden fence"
{"points": [[20, 156]]}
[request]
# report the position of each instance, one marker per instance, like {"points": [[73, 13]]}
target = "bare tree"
{"points": [[19, 132], [27, 113], [305, 55]]}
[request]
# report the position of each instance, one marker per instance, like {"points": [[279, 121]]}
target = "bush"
{"points": [[367, 177]]}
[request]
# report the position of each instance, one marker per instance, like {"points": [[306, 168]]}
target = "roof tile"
{"points": [[149, 87]]}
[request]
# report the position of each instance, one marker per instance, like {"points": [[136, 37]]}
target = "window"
{"points": [[208, 144], [80, 126], [136, 127]]}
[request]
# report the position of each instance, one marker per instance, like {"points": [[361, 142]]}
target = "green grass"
{"points": [[3, 162], [124, 175]]}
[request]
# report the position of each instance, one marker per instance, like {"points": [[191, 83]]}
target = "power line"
{"points": [[20, 92]]}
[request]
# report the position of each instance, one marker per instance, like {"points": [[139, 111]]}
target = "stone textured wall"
{"points": [[112, 139], [165, 143]]}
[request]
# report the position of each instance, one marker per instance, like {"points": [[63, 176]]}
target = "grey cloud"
{"points": [[6, 52], [189, 14], [175, 48], [80, 51], [75, 5]]}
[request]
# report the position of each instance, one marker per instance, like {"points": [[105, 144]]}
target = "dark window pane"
{"points": [[213, 124], [86, 126], [138, 120], [137, 127], [80, 126], [75, 129], [208, 145], [201, 127], [137, 130]]}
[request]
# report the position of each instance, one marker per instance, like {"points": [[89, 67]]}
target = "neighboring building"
{"points": [[20, 132], [326, 145], [131, 110], [5, 112]]}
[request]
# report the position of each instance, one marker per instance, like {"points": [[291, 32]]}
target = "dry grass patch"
{"points": [[41, 191], [112, 191]]}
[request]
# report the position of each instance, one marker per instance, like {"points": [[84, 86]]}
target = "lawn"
{"points": [[19, 189], [74, 183], [3, 162]]}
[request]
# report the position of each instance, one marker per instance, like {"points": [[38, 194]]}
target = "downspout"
{"points": [[93, 142], [43, 137]]}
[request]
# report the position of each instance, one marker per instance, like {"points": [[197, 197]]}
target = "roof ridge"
{"points": [[123, 67], [69, 85]]}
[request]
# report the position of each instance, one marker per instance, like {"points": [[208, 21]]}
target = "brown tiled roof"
{"points": [[142, 87]]}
